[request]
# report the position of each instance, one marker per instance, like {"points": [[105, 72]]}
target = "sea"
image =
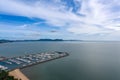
{"points": [[86, 60]]}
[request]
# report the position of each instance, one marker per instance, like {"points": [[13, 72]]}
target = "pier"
{"points": [[20, 62]]}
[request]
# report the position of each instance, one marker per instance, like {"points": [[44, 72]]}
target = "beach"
{"points": [[18, 74]]}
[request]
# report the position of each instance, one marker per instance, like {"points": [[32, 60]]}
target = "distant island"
{"points": [[45, 40], [6, 41]]}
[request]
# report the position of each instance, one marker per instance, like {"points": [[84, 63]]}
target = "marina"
{"points": [[20, 62]]}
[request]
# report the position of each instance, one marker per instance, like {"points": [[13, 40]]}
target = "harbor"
{"points": [[20, 62]]}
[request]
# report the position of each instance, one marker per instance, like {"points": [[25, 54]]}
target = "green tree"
{"points": [[4, 75]]}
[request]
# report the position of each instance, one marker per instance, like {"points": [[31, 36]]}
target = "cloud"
{"points": [[53, 14], [18, 32], [79, 17]]}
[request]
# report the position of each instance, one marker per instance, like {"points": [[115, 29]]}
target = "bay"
{"points": [[87, 60]]}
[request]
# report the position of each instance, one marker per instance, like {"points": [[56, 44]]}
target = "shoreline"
{"points": [[18, 74]]}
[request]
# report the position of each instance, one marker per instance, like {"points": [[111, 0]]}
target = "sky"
{"points": [[60, 19]]}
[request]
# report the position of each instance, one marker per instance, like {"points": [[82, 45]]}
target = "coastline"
{"points": [[15, 71], [18, 74]]}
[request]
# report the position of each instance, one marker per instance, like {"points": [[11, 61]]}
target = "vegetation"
{"points": [[5, 41], [4, 75]]}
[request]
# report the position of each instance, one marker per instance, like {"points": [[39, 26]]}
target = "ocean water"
{"points": [[87, 60]]}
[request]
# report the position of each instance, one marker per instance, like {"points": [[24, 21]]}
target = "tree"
{"points": [[4, 75]]}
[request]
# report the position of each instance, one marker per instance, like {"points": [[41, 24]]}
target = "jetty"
{"points": [[28, 60]]}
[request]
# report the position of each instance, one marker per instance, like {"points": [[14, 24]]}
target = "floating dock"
{"points": [[30, 60]]}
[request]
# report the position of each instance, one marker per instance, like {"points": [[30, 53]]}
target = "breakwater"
{"points": [[21, 62]]}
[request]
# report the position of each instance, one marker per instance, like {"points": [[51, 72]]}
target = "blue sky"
{"points": [[63, 19]]}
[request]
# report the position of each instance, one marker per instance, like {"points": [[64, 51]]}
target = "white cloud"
{"points": [[18, 32], [96, 12], [88, 29]]}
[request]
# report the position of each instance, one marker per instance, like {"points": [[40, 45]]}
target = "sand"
{"points": [[18, 74]]}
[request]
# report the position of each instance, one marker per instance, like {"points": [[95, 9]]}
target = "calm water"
{"points": [[87, 60]]}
